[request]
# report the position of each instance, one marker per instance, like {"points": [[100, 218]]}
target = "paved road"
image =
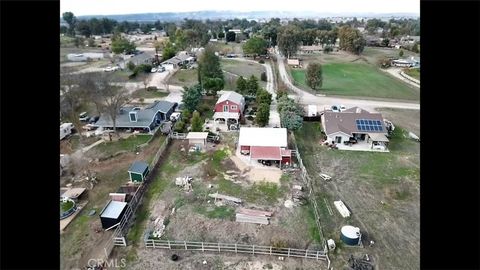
{"points": [[322, 101], [394, 71]]}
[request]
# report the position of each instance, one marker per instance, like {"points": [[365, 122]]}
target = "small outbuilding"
{"points": [[197, 138], [112, 213], [138, 171]]}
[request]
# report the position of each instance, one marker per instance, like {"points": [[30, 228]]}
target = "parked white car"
{"points": [[378, 146], [108, 69], [153, 70], [175, 116]]}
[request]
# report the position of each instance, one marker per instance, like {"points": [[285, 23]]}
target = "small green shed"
{"points": [[138, 171]]}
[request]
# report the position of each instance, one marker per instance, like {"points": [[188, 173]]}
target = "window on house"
{"points": [[225, 108], [338, 139], [233, 107]]}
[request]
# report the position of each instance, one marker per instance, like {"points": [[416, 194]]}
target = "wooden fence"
{"points": [[236, 248], [118, 236]]}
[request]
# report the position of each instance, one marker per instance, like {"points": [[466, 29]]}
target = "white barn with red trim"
{"points": [[265, 144]]}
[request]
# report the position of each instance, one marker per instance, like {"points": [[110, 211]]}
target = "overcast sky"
{"points": [[110, 7]]}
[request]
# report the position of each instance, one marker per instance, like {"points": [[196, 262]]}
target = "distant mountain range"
{"points": [[215, 15]]}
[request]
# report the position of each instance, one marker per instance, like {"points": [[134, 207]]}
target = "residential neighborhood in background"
{"points": [[287, 139]]}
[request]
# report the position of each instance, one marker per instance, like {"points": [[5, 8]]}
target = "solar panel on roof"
{"points": [[379, 123], [357, 122], [370, 122], [358, 127]]}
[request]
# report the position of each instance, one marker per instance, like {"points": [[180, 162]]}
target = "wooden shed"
{"points": [[138, 171]]}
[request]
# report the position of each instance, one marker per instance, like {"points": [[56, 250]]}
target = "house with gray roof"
{"points": [[177, 61], [355, 129], [136, 118]]}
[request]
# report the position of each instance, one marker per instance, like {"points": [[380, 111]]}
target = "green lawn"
{"points": [[413, 72], [359, 79], [110, 148], [142, 93], [184, 77]]}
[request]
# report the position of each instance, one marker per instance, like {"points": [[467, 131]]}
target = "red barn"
{"points": [[229, 107], [265, 144]]}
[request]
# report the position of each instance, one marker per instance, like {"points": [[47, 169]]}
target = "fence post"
{"points": [[306, 252], [288, 255], [235, 247], [185, 242], [169, 247], [253, 247], [218, 244], [317, 253], [153, 241], [270, 250], [203, 249]]}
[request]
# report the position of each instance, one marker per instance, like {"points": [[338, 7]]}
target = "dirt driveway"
{"points": [[257, 173]]}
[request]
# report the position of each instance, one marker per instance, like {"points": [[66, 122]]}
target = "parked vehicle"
{"points": [[160, 69], [110, 68], [378, 146], [83, 117], [325, 177], [175, 116], [65, 130], [338, 108], [153, 70]]}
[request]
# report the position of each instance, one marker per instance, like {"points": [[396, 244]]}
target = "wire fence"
{"points": [[236, 248]]}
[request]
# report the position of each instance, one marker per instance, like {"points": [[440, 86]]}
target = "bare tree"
{"points": [[113, 98], [71, 97]]}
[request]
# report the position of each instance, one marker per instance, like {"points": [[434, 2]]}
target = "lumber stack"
{"points": [[253, 216]]}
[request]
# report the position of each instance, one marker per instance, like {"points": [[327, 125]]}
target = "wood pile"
{"points": [[253, 216], [225, 198]]}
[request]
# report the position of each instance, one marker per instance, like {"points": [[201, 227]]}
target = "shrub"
{"points": [[261, 61], [250, 118], [180, 126], [152, 88], [263, 76], [204, 108]]}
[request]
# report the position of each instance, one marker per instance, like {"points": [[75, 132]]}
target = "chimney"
{"points": [[133, 116]]}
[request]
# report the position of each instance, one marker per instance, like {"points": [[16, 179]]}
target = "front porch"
{"points": [[364, 146], [223, 121]]}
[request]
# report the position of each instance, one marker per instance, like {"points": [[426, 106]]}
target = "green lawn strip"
{"points": [[184, 77], [128, 144], [142, 93], [413, 72], [359, 79]]}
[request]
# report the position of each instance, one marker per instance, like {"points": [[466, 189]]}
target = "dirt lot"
{"points": [[197, 217], [380, 189], [80, 242]]}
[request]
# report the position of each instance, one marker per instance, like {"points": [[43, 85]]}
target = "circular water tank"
{"points": [[350, 235]]}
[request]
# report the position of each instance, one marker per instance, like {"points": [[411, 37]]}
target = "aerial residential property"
{"points": [[218, 138]]}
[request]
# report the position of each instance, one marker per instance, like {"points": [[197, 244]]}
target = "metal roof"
{"points": [[138, 167], [265, 152], [197, 135], [252, 136], [230, 96], [113, 209]]}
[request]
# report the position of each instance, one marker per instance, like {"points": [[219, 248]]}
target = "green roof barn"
{"points": [[138, 171]]}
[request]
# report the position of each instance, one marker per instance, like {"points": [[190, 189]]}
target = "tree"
{"points": [[113, 98], [263, 97], [263, 114], [91, 42], [384, 62], [122, 45], [209, 71], [230, 36], [221, 35], [78, 42], [169, 51], [241, 85], [70, 99], [351, 40], [71, 20], [416, 47], [191, 97], [263, 76], [309, 36], [327, 49], [288, 40], [385, 42], [255, 46], [252, 86], [291, 114], [400, 53], [314, 76], [131, 66], [197, 125], [83, 28]]}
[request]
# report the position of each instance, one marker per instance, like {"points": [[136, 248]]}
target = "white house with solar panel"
{"points": [[356, 129]]}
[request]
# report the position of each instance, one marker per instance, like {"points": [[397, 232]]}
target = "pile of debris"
{"points": [[360, 264], [158, 227], [225, 199], [253, 216], [298, 197], [184, 182]]}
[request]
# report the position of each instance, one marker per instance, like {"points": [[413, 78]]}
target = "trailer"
{"points": [[65, 130]]}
